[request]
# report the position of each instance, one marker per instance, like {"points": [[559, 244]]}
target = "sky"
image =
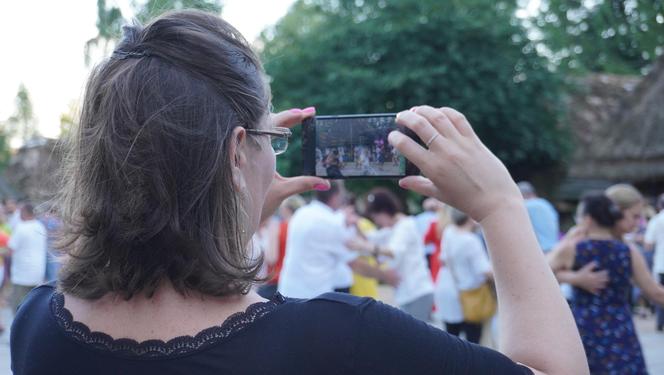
{"points": [[42, 41]]}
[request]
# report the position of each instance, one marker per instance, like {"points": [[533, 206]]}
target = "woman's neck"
{"points": [[600, 233]]}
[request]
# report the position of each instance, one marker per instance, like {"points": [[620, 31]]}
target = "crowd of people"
{"points": [[434, 259], [338, 243], [27, 248], [363, 159]]}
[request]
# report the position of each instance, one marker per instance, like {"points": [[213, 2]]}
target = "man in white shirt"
{"points": [[654, 239], [28, 250], [315, 250]]}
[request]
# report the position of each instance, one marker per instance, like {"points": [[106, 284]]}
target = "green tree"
{"points": [[370, 56], [5, 151], [109, 23], [22, 123], [153, 8], [613, 36], [110, 19]]}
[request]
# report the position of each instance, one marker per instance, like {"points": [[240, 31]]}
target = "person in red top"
{"points": [[4, 238], [433, 236], [276, 251]]}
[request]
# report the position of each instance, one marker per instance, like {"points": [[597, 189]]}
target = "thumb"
{"points": [[292, 117], [420, 185], [297, 185]]}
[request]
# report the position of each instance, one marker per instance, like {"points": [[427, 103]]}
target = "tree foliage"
{"points": [[22, 123], [613, 36], [153, 8], [110, 19], [109, 22], [5, 151], [371, 56]]}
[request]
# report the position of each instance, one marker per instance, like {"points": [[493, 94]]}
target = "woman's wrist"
{"points": [[505, 210]]}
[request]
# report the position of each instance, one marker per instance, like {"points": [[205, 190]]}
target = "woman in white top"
{"points": [[465, 266], [405, 248]]}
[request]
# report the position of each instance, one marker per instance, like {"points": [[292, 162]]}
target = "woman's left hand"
{"points": [[284, 187]]}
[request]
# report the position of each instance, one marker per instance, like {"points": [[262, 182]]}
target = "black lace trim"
{"points": [[158, 348]]}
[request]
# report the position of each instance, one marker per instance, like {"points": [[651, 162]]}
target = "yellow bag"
{"points": [[478, 304]]}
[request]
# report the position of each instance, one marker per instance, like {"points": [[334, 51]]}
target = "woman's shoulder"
{"points": [[38, 300], [336, 305], [590, 243], [33, 321], [341, 313], [387, 340], [600, 248]]}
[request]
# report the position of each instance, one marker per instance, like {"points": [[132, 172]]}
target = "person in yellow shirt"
{"points": [[365, 286]]}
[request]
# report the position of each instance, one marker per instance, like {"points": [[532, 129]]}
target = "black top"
{"points": [[331, 334]]}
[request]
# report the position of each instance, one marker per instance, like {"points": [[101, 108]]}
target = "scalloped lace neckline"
{"points": [[176, 346]]}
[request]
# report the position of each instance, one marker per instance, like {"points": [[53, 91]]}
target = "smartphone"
{"points": [[354, 146]]}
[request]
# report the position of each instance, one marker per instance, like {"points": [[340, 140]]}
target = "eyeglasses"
{"points": [[278, 138]]}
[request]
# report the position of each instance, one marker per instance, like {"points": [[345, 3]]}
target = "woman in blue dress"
{"points": [[604, 318]]}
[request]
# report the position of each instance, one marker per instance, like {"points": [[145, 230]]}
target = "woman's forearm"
{"points": [[537, 327], [566, 276]]}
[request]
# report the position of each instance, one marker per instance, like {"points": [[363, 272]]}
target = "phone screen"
{"points": [[353, 146]]}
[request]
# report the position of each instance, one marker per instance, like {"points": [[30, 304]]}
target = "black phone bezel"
{"points": [[309, 146]]}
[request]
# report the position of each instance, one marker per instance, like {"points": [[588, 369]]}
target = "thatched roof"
{"points": [[618, 123]]}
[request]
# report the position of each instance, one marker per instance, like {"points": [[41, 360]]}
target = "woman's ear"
{"points": [[237, 156]]}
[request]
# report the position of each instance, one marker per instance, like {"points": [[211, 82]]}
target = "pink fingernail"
{"points": [[309, 109], [296, 110], [412, 109], [321, 187]]}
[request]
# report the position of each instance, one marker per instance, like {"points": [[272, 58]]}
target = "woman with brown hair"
{"points": [[405, 250], [170, 173]]}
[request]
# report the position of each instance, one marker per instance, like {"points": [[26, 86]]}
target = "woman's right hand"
{"points": [[460, 170]]}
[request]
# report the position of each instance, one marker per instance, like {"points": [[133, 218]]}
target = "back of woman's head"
{"points": [[624, 195], [293, 203], [601, 209], [148, 192], [382, 200], [458, 217]]}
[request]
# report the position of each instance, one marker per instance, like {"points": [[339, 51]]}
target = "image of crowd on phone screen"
{"points": [[374, 159]]}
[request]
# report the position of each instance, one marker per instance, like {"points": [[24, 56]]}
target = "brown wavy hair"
{"points": [[148, 193]]}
